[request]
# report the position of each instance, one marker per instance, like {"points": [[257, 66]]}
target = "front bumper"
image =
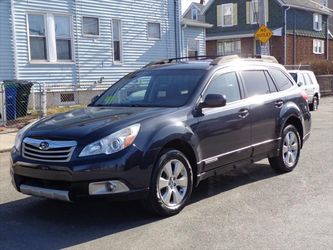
{"points": [[76, 178]]}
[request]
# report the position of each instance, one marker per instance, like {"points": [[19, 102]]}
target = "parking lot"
{"points": [[250, 208]]}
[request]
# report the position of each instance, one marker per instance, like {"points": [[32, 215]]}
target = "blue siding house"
{"points": [[84, 41]]}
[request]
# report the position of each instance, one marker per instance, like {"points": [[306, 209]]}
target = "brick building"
{"points": [[236, 21]]}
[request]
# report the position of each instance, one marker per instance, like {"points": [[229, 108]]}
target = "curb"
{"points": [[5, 150]]}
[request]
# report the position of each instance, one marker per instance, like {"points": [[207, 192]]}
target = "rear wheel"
{"points": [[314, 104], [289, 151], [171, 185]]}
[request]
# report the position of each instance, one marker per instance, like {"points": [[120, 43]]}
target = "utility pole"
{"points": [[263, 21]]}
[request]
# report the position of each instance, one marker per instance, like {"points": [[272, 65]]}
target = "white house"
{"points": [[194, 31]]}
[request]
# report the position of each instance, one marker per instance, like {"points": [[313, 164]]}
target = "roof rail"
{"points": [[171, 60], [264, 58], [225, 59]]}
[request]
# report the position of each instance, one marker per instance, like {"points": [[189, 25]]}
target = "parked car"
{"points": [[307, 80], [157, 141]]}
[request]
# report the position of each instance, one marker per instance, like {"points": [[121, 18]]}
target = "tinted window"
{"points": [[294, 75], [156, 88], [226, 85], [271, 84], [255, 83], [281, 80]]}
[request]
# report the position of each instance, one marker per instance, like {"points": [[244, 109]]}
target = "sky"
{"points": [[186, 3]]}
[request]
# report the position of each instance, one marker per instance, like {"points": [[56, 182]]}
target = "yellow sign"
{"points": [[263, 34]]}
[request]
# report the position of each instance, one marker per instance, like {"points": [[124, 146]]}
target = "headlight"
{"points": [[112, 143], [19, 135]]}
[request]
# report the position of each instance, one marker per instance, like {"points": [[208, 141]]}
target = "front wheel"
{"points": [[289, 151], [171, 184]]}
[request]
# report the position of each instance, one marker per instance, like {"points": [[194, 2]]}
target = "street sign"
{"points": [[263, 34]]}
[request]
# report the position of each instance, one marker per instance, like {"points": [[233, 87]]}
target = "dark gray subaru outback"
{"points": [[156, 133]]}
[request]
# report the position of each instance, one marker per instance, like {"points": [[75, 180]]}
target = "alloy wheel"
{"points": [[172, 183], [290, 149]]}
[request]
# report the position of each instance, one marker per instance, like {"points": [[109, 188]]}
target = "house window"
{"points": [[254, 11], [67, 97], [37, 37], [117, 43], [50, 37], [90, 26], [194, 13], [63, 37], [227, 15], [228, 47], [154, 31], [318, 46], [317, 22], [192, 48]]}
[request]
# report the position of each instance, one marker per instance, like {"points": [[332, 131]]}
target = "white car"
{"points": [[306, 80]]}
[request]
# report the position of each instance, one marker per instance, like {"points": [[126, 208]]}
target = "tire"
{"points": [[169, 191], [314, 105], [289, 153]]}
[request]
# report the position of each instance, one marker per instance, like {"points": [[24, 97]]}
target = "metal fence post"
{"points": [[33, 97], [43, 100], [3, 105]]}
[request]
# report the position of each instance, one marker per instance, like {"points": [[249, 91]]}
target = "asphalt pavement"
{"points": [[250, 208]]}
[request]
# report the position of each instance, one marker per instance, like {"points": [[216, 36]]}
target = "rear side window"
{"points": [[226, 85], [255, 83], [281, 80], [271, 84], [308, 79], [294, 75]]}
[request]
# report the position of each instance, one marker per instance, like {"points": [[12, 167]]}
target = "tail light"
{"points": [[304, 95]]}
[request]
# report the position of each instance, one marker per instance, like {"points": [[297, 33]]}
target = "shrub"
{"points": [[322, 67]]}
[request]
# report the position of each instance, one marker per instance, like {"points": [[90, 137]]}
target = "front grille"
{"points": [[56, 151]]}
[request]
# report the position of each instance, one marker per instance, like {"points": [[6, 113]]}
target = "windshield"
{"points": [[294, 75], [156, 88]]}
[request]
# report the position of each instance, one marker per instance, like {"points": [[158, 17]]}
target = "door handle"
{"points": [[279, 104], [243, 113]]}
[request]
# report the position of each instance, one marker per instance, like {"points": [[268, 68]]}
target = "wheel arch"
{"points": [[187, 150], [297, 123], [317, 95]]}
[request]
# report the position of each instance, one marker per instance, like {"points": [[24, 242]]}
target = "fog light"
{"points": [[107, 187]]}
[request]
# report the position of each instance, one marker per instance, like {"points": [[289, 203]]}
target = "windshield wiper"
{"points": [[99, 105]]}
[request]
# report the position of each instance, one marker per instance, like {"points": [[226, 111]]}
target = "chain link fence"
{"points": [[21, 102], [24, 101], [65, 96]]}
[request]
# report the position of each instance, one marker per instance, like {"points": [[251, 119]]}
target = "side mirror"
{"points": [[214, 101], [94, 99], [300, 84]]}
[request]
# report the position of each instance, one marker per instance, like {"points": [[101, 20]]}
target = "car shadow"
{"points": [[40, 223], [230, 180]]}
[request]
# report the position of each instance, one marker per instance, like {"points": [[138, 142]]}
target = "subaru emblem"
{"points": [[44, 145]]}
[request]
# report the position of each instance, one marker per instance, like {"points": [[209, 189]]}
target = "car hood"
{"points": [[92, 122]]}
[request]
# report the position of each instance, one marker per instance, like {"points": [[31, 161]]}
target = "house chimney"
{"points": [[202, 2]]}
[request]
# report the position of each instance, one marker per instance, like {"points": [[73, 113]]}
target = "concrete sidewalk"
{"points": [[7, 141]]}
